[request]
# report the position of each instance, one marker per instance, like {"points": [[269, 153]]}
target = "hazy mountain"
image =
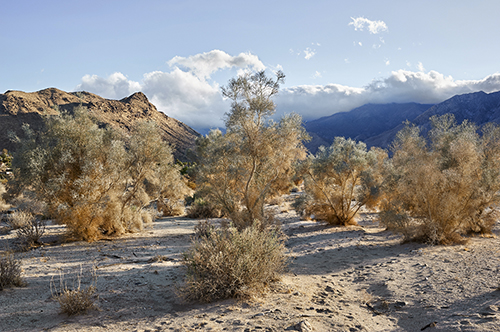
{"points": [[477, 107], [17, 107], [361, 123]]}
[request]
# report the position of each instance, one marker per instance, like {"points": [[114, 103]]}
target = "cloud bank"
{"points": [[188, 93], [402, 86]]}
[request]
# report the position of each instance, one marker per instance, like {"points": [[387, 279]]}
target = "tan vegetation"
{"points": [[97, 181], [77, 299], [10, 271], [439, 190], [254, 159], [226, 263], [339, 180]]}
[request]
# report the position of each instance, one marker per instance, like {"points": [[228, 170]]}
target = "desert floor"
{"points": [[358, 278]]}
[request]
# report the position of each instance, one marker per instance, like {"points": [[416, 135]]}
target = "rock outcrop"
{"points": [[17, 107]]}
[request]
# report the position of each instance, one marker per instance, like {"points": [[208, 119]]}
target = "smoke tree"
{"points": [[440, 188], [97, 181], [254, 159], [341, 179]]}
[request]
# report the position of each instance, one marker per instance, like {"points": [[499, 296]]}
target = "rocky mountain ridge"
{"points": [[17, 107], [378, 124]]}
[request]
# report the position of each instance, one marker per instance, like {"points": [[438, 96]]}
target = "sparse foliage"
{"points": [[227, 263], [96, 180], [10, 271], [31, 231], [437, 190], [339, 180], [254, 159]]}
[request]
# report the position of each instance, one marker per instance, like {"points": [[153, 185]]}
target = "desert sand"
{"points": [[356, 278]]}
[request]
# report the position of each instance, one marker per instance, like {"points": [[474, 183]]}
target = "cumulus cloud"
{"points": [[115, 86], [402, 86], [186, 92], [205, 64], [374, 27]]}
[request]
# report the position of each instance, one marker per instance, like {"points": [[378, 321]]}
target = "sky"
{"points": [[336, 55]]}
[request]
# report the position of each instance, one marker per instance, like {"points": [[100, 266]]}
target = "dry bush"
{"points": [[201, 208], [339, 180], [3, 205], [171, 207], [10, 271], [254, 159], [76, 300], [440, 189], [31, 232], [227, 263], [19, 218], [97, 181]]}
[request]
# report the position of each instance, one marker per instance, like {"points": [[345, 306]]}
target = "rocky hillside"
{"points": [[18, 107]]}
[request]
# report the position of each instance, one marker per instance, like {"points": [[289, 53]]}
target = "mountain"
{"points": [[361, 123], [17, 107], [478, 107]]}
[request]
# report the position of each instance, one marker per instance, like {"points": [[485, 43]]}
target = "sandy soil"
{"points": [[358, 278]]}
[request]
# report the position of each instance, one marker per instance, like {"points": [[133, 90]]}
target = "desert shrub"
{"points": [[441, 188], [76, 300], [19, 218], [201, 208], [227, 263], [97, 181], [238, 170], [10, 271], [339, 180], [31, 232], [3, 205], [171, 207]]}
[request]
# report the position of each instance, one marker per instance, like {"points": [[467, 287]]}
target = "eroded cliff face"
{"points": [[17, 107]]}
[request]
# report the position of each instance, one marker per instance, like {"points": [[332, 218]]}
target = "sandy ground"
{"points": [[358, 278]]}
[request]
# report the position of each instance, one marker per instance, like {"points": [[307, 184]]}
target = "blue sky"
{"points": [[336, 55]]}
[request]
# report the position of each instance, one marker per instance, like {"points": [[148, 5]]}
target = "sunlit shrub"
{"points": [[339, 180], [227, 263], [440, 189], [95, 180]]}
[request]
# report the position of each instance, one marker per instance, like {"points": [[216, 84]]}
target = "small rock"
{"points": [[304, 326]]}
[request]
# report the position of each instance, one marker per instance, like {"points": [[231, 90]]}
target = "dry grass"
{"points": [[227, 263], [10, 271], [77, 300]]}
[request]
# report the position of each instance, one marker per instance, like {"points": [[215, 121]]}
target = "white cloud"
{"points": [[115, 86], [187, 95], [315, 101], [374, 27], [420, 66], [387, 62], [204, 64], [309, 53]]}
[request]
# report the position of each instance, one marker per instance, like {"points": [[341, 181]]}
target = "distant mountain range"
{"points": [[378, 124], [17, 107]]}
